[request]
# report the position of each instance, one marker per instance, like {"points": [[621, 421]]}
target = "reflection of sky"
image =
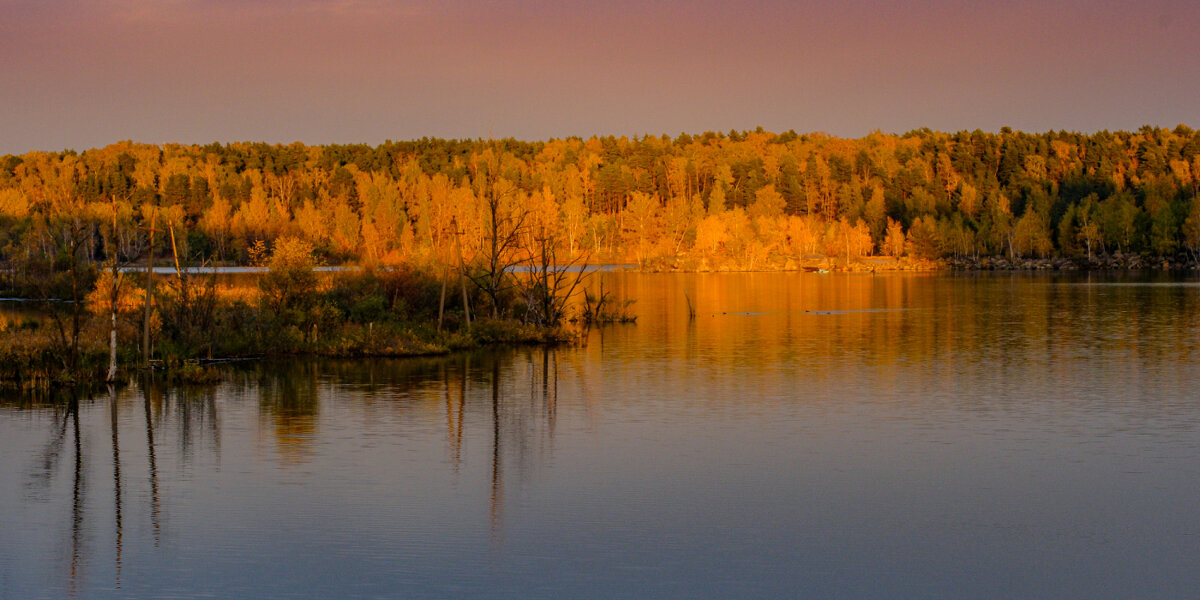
{"points": [[86, 73], [1004, 436]]}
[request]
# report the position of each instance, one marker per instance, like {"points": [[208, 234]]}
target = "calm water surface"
{"points": [[804, 435]]}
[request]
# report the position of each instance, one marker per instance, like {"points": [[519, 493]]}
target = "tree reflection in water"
{"points": [[44, 471], [77, 490], [522, 431], [513, 391], [503, 399], [290, 401], [152, 467], [116, 460], [192, 409]]}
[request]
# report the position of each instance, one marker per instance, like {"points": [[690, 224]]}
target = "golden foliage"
{"points": [[130, 298], [13, 203]]}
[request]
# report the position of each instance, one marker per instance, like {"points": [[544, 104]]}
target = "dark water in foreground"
{"points": [[804, 436]]}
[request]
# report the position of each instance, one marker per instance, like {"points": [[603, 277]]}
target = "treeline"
{"points": [[750, 199]]}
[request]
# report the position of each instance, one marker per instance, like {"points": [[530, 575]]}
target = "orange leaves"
{"points": [[130, 298], [543, 212], [253, 218], [312, 223], [711, 234], [767, 203], [803, 235], [641, 219], [13, 203]]}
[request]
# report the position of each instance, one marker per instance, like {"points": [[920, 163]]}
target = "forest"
{"points": [[747, 200]]}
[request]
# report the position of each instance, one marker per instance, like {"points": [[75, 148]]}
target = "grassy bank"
{"points": [[38, 359]]}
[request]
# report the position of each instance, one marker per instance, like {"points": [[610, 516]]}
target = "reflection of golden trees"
{"points": [[772, 332], [289, 399]]}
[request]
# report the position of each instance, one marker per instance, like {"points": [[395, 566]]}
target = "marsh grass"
{"points": [[34, 357], [374, 312]]}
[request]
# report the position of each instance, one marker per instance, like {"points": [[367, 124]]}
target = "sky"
{"points": [[79, 74]]}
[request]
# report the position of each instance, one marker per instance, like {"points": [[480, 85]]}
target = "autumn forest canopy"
{"points": [[737, 200]]}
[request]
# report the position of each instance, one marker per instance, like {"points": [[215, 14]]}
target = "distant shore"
{"points": [[1116, 261]]}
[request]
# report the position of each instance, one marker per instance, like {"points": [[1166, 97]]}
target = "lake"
{"points": [[803, 435]]}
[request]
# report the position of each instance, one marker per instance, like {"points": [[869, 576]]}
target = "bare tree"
{"points": [[548, 285], [503, 220]]}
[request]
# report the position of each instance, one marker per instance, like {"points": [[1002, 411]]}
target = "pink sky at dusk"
{"points": [[81, 74]]}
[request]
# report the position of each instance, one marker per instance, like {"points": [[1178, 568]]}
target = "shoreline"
{"points": [[1115, 262]]}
